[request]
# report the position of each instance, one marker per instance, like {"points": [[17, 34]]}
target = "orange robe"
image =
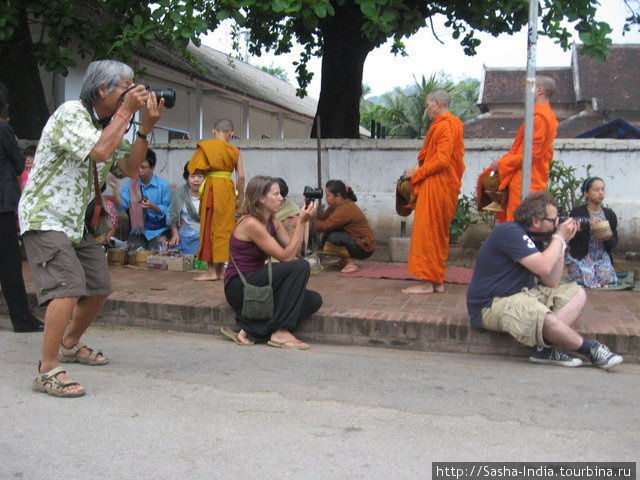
{"points": [[545, 127], [437, 182], [217, 200]]}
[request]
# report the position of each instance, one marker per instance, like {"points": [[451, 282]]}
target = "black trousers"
{"points": [[341, 238], [11, 279], [292, 301]]}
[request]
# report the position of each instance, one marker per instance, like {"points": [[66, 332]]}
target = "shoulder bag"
{"points": [[257, 302], [96, 219]]}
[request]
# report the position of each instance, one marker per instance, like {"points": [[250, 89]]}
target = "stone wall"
{"points": [[371, 168]]}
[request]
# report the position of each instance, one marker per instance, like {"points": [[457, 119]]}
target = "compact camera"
{"points": [[311, 194]]}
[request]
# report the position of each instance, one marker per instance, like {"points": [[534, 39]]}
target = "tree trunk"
{"points": [[343, 55], [20, 74]]}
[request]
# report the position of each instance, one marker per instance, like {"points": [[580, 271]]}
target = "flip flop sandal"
{"points": [[271, 343], [350, 269], [233, 336], [70, 355], [48, 383]]}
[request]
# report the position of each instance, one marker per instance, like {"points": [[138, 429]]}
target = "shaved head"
{"points": [[441, 96], [547, 84], [223, 125]]}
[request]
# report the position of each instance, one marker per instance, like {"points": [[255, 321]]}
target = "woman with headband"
{"points": [[590, 259]]}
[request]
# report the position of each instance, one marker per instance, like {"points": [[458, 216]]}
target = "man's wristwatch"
{"points": [[142, 135]]}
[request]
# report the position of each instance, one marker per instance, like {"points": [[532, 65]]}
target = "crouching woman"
{"points": [[258, 235], [348, 234]]}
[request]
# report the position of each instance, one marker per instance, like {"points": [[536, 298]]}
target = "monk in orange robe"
{"points": [[436, 181], [218, 202], [509, 166]]}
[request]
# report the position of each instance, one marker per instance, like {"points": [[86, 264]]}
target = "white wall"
{"points": [[371, 168]]}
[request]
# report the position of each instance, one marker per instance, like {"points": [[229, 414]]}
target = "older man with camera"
{"points": [[516, 287], [81, 143]]}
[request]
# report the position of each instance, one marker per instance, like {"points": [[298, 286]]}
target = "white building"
{"points": [[259, 104]]}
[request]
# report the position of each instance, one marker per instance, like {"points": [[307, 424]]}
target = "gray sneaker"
{"points": [[602, 357], [552, 356]]}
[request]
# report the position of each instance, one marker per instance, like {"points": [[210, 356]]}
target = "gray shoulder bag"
{"points": [[257, 302]]}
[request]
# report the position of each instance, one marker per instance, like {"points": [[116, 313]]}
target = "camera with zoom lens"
{"points": [[583, 221], [311, 194], [169, 95]]}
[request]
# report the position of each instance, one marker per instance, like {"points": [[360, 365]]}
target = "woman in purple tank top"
{"points": [[257, 236]]}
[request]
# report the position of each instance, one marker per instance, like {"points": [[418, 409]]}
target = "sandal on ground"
{"points": [[291, 344], [233, 336], [351, 268], [70, 355], [48, 383]]}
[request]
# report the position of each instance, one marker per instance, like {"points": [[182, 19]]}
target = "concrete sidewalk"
{"points": [[356, 311]]}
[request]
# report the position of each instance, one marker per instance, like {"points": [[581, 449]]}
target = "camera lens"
{"points": [[168, 94]]}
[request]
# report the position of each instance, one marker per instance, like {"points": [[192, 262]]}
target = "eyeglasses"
{"points": [[552, 220]]}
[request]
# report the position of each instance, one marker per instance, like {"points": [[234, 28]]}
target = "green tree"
{"points": [[94, 29], [343, 32], [404, 114], [633, 20], [277, 72], [464, 99]]}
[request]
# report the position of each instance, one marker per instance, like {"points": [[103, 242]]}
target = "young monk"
{"points": [[436, 182], [509, 166], [219, 198]]}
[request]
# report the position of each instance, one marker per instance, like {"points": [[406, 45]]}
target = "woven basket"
{"points": [[117, 256], [139, 258]]}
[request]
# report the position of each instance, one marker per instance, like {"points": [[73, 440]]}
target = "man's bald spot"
{"points": [[548, 85], [224, 125], [441, 96]]}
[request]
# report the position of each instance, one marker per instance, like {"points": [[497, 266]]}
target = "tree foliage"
{"points": [[403, 112], [92, 29], [277, 72], [633, 20], [343, 32]]}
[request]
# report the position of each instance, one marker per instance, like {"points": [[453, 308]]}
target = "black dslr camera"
{"points": [[169, 95], [311, 194], [583, 221]]}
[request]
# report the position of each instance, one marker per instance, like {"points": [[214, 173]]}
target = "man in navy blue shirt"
{"points": [[154, 199], [516, 287]]}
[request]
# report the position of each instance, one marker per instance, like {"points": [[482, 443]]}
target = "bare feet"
{"points": [[209, 276], [424, 287]]}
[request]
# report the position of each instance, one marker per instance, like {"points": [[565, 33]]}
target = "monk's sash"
{"points": [[216, 174]]}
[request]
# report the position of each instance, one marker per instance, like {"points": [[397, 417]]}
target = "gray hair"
{"points": [[102, 72]]}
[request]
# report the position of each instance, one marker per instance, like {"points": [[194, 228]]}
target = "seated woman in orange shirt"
{"points": [[345, 226]]}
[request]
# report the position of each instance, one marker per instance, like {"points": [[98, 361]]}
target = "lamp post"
{"points": [[532, 41]]}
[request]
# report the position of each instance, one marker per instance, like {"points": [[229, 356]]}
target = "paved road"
{"points": [[191, 406]]}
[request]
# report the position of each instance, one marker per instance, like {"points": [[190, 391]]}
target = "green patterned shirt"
{"points": [[60, 183]]}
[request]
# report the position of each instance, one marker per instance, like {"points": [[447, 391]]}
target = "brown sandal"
{"points": [[48, 383], [70, 355]]}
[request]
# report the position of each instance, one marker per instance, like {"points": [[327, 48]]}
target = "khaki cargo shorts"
{"points": [[522, 315], [62, 269]]}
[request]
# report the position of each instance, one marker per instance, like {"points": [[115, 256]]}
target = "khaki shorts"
{"points": [[522, 315], [62, 269]]}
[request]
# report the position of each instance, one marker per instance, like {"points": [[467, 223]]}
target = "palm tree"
{"points": [[406, 111], [464, 99]]}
